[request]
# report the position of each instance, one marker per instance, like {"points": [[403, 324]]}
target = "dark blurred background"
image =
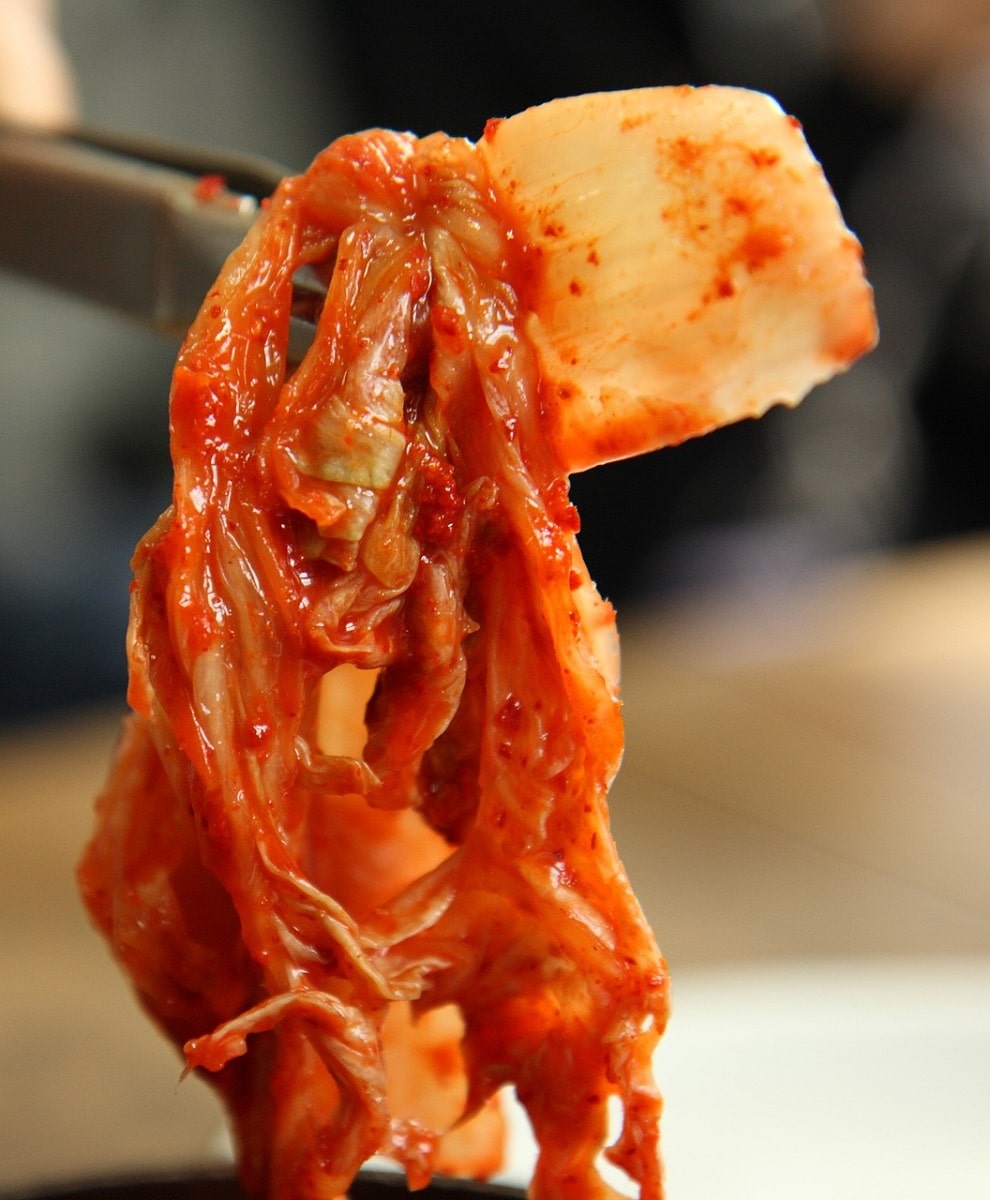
{"points": [[894, 96]]}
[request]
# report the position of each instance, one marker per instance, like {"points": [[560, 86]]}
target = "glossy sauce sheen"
{"points": [[391, 507], [354, 851]]}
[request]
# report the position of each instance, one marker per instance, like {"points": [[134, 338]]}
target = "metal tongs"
{"points": [[129, 223]]}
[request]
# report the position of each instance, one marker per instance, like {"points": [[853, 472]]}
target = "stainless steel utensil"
{"points": [[130, 223]]}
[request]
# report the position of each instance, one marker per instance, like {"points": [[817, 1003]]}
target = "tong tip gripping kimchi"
{"points": [[354, 850]]}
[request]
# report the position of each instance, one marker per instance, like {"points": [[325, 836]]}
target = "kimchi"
{"points": [[354, 850]]}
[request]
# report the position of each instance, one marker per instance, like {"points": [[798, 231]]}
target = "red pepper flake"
{"points": [[737, 205], [440, 499], [764, 157], [509, 715], [686, 153], [760, 246], [491, 128], [448, 328], [559, 507], [209, 188]]}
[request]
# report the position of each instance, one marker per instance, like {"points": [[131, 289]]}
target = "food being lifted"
{"points": [[354, 851]]}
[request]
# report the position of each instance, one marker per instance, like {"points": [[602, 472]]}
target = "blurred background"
{"points": [[895, 99]]}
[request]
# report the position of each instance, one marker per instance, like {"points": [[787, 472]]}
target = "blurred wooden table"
{"points": [[807, 776], [814, 768]]}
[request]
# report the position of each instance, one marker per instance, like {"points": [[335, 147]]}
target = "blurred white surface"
{"points": [[866, 1080]]}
